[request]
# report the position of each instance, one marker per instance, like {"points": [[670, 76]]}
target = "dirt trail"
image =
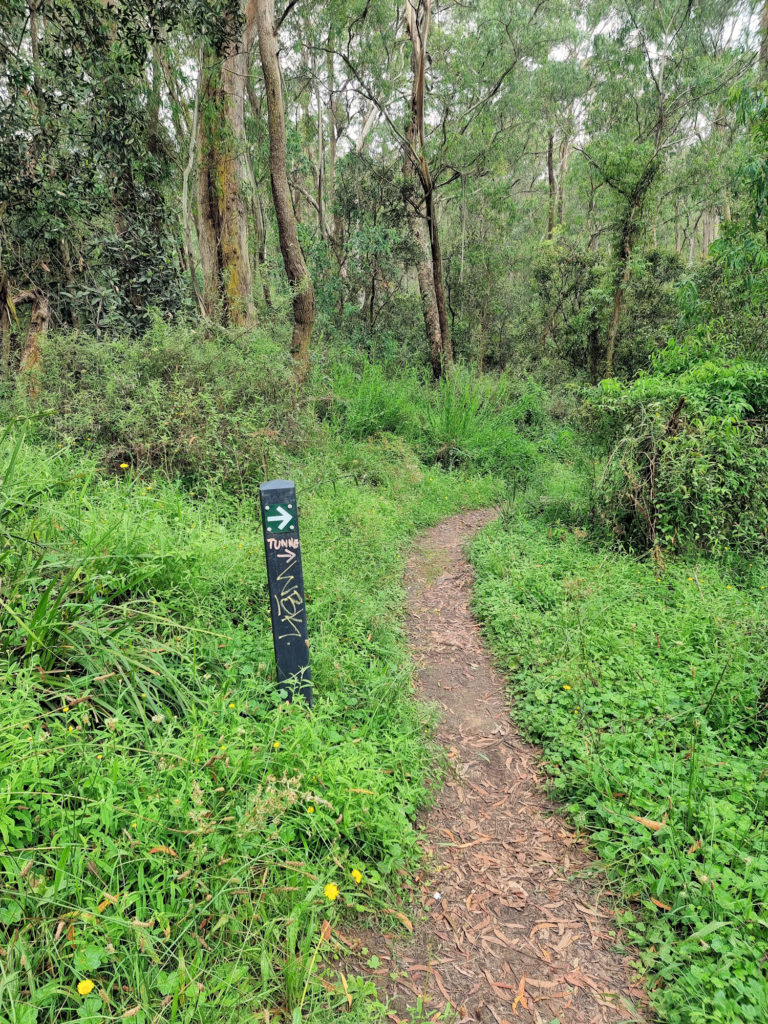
{"points": [[508, 933]]}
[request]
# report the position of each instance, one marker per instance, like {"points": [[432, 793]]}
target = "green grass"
{"points": [[647, 688], [169, 826]]}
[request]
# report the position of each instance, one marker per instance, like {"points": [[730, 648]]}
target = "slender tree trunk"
{"points": [[5, 327], [416, 170], [565, 152], [426, 279], [593, 350], [223, 220], [483, 339], [36, 331], [678, 231], [293, 258], [261, 252], [321, 181], [257, 204], [186, 216], [437, 272], [592, 225], [763, 57], [335, 228], [692, 246], [552, 184], [616, 311]]}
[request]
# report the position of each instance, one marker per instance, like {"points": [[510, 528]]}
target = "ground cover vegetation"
{"points": [[419, 257], [645, 686], [173, 833]]}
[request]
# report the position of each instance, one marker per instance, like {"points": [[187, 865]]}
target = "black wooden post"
{"points": [[280, 520]]}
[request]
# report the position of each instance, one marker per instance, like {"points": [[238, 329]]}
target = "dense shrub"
{"points": [[688, 452], [216, 408]]}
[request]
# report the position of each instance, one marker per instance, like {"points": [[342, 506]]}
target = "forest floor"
{"points": [[515, 924]]}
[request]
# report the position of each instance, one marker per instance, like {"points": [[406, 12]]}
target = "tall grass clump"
{"points": [[368, 401], [478, 421]]}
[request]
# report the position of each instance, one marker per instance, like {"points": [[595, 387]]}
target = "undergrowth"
{"points": [[173, 835], [647, 687]]}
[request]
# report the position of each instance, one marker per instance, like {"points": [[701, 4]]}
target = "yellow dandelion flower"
{"points": [[134, 825], [276, 745], [124, 465], [99, 757], [223, 747], [310, 809], [566, 687], [331, 891], [71, 728], [231, 705], [65, 708], [85, 987], [357, 876]]}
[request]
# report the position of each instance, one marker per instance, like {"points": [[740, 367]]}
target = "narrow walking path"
{"points": [[508, 933]]}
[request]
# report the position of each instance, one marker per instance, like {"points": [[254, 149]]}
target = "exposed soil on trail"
{"points": [[511, 929]]}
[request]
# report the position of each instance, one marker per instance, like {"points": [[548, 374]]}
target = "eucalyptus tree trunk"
{"points": [[763, 57], [293, 258], [222, 213], [416, 169], [552, 184]]}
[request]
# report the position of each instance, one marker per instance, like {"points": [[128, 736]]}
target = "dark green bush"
{"points": [[216, 409], [688, 462]]}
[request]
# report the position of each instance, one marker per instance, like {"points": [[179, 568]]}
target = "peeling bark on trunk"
{"points": [[36, 331], [293, 258], [426, 279], [223, 222], [437, 273]]}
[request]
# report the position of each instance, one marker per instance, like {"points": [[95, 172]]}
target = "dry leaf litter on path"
{"points": [[510, 929]]}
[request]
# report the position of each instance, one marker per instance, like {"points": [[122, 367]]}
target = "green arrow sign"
{"points": [[280, 518]]}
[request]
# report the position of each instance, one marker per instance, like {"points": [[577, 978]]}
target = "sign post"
{"points": [[280, 521]]}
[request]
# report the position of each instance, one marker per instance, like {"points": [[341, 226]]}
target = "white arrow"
{"points": [[283, 519]]}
